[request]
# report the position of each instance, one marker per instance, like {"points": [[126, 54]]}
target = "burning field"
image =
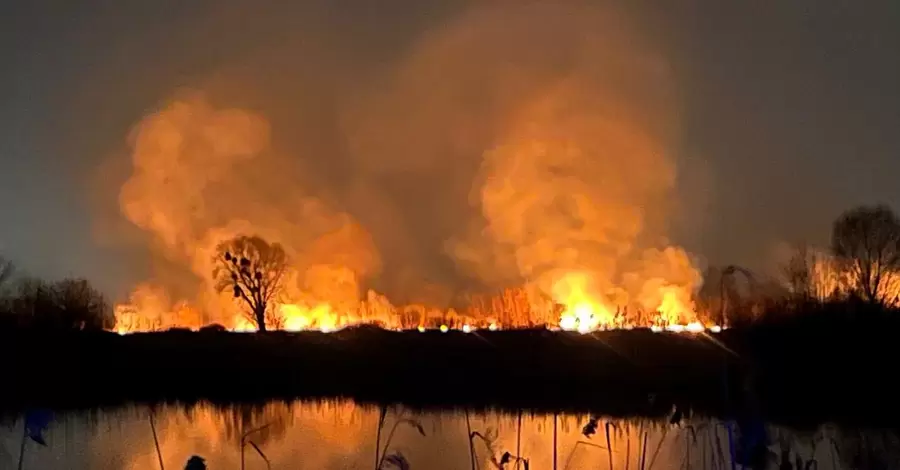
{"points": [[453, 190]]}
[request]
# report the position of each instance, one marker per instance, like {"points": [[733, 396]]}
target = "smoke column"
{"points": [[509, 144], [573, 189], [204, 174]]}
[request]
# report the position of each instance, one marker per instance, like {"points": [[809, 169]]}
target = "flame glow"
{"points": [[547, 179], [579, 312]]}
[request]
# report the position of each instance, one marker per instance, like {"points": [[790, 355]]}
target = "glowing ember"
{"points": [[694, 327]]}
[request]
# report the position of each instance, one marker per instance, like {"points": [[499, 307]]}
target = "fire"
{"points": [[298, 318], [582, 312], [565, 201], [576, 306]]}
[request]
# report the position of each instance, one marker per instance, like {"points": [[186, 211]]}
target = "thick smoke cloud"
{"points": [[204, 174], [518, 143]]}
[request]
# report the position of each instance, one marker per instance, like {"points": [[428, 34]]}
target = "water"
{"points": [[342, 435]]}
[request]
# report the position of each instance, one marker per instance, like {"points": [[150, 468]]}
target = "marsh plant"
{"points": [[870, 450], [499, 459], [394, 460], [647, 452]]}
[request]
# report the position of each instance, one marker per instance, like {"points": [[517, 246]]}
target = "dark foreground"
{"points": [[801, 374]]}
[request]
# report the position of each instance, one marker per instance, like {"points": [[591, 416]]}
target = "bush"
{"points": [[69, 304]]}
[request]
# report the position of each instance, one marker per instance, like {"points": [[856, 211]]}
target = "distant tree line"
{"points": [[67, 304], [860, 266], [862, 262]]}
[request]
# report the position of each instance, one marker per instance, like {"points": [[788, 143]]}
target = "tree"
{"points": [[252, 270], [799, 272], [6, 271], [68, 304], [78, 305], [867, 242], [729, 291]]}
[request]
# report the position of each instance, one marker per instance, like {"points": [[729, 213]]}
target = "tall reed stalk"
{"points": [[471, 436], [381, 415], [609, 424], [555, 443], [159, 456], [519, 437], [644, 450]]}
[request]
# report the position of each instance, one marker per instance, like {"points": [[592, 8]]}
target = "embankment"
{"points": [[801, 375]]}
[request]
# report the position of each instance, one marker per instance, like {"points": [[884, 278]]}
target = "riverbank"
{"points": [[798, 378]]}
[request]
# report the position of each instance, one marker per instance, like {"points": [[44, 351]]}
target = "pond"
{"points": [[335, 435]]}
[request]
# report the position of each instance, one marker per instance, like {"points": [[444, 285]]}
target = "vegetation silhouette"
{"points": [[809, 347], [867, 240], [252, 270], [67, 304], [385, 460]]}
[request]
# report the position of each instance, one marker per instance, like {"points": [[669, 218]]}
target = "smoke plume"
{"points": [[510, 144], [573, 188], [203, 175]]}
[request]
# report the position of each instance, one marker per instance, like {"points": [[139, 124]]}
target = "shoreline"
{"points": [[618, 372]]}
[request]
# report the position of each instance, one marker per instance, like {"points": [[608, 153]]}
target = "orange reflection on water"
{"points": [[342, 435]]}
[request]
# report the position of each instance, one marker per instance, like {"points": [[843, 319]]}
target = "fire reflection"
{"points": [[342, 434]]}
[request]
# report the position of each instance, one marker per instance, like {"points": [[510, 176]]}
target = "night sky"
{"points": [[791, 110]]}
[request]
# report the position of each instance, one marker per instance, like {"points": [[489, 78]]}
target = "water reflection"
{"points": [[342, 435]]}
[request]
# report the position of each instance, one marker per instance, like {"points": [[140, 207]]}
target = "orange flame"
{"points": [[578, 309]]}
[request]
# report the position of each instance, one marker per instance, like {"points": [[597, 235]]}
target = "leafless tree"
{"points": [[253, 270], [6, 271], [729, 291], [67, 304], [867, 242], [798, 272], [80, 306]]}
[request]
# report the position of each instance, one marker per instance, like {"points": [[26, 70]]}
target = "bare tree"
{"points": [[253, 270], [80, 306], [729, 291], [68, 304], [6, 270], [867, 241], [799, 273], [33, 301]]}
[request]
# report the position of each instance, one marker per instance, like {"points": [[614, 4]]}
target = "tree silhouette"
{"points": [[67, 304], [729, 292], [80, 306], [252, 269], [6, 271], [867, 241], [798, 272]]}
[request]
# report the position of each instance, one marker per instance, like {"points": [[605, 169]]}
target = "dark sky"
{"points": [[791, 109]]}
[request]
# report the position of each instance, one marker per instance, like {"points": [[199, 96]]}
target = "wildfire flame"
{"points": [[564, 147], [579, 311]]}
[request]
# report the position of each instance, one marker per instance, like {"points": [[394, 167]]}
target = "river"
{"points": [[336, 435]]}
